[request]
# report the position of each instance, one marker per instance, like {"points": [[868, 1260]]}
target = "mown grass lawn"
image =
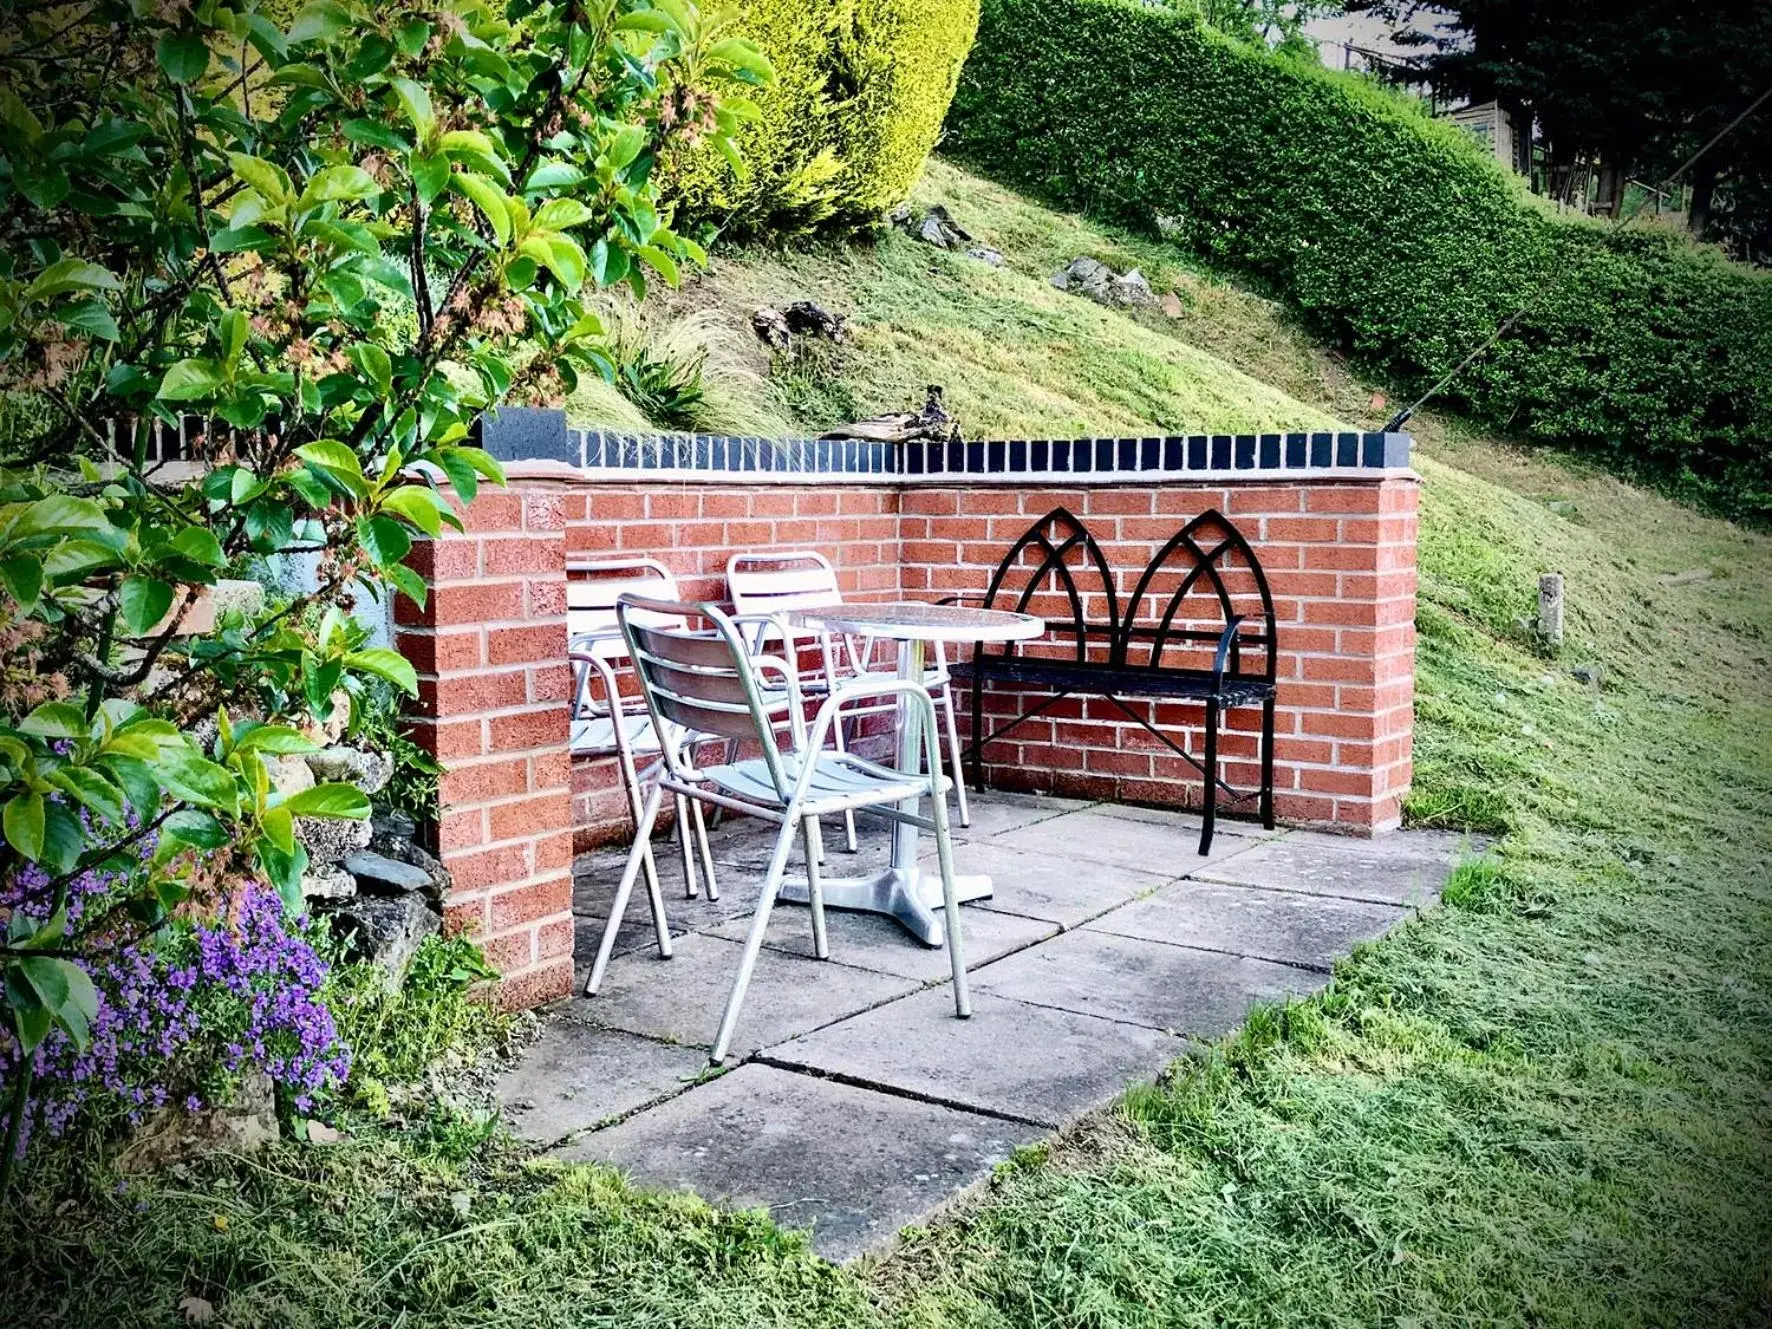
{"points": [[1549, 1101]]}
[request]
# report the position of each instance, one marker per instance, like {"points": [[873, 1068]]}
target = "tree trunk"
{"points": [[1704, 188]]}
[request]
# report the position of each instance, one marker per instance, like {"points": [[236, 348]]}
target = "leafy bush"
{"points": [[861, 88], [1391, 233], [329, 241], [377, 722]]}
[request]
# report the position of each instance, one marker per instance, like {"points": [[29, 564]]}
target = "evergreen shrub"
{"points": [[1393, 235]]}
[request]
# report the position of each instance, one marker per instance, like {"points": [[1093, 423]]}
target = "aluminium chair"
{"points": [[765, 586], [710, 682], [616, 723]]}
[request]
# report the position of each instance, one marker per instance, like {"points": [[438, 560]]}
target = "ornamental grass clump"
{"points": [[313, 247]]}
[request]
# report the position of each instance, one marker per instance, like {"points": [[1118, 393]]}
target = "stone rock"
{"points": [[337, 721], [1086, 277], [330, 839], [986, 255], [387, 842], [369, 771], [1171, 304], [327, 881], [936, 227], [806, 319], [771, 327], [1132, 290], [289, 775], [393, 824], [1168, 225], [175, 1135], [387, 876], [385, 930], [1590, 675]]}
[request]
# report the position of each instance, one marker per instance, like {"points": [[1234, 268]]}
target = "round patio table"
{"points": [[902, 889]]}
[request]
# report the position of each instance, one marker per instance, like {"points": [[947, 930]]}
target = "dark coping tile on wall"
{"points": [[1244, 455], [1150, 454], [1039, 454], [1347, 449], [1061, 454], [1105, 449], [1298, 451], [1125, 454], [527, 433], [1269, 458], [1018, 454], [1174, 453], [996, 457], [1322, 450], [1222, 445], [1199, 452]]}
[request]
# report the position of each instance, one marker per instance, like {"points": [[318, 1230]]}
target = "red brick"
{"points": [[548, 981], [547, 599], [511, 952], [522, 818], [485, 869], [456, 695], [484, 781], [475, 602], [523, 645], [609, 505], [450, 558], [494, 510], [530, 904], [503, 557]]}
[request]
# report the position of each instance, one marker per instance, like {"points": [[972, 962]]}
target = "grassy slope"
{"points": [[1546, 1102]]}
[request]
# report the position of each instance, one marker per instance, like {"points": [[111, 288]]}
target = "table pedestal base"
{"points": [[911, 895]]}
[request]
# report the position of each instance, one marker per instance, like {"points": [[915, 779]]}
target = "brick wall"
{"points": [[1340, 562], [490, 650], [1339, 552]]}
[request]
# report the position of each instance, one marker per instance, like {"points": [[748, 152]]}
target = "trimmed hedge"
{"points": [[861, 89], [1393, 234]]}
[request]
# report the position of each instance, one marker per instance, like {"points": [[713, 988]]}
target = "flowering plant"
{"points": [[319, 251]]}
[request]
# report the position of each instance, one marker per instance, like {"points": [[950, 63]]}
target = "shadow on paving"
{"points": [[854, 1101]]}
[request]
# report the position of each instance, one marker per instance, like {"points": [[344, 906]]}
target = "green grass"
{"points": [[1546, 1102]]}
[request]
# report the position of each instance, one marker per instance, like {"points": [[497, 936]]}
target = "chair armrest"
{"points": [[964, 597]]}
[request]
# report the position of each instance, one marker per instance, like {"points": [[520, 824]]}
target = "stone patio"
{"points": [[854, 1102]]}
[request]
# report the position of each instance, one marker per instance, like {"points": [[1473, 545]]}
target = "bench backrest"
{"points": [[1168, 613]]}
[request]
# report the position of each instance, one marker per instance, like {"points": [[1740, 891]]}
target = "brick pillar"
{"points": [[490, 651]]}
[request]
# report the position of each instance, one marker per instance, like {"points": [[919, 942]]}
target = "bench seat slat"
{"points": [[1124, 680]]}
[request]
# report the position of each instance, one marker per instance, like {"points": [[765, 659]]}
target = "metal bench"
{"points": [[1199, 609]]}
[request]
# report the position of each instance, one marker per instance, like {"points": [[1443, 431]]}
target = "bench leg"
{"points": [[1209, 815], [1267, 763]]}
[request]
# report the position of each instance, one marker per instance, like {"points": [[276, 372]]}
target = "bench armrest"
{"points": [[1226, 641]]}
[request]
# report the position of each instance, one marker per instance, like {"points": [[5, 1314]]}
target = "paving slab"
{"points": [[1099, 839], [996, 814], [872, 941], [593, 891], [1033, 1063], [680, 1000], [1188, 822], [575, 1077], [852, 1164], [1408, 867], [1284, 926], [1064, 888], [1177, 989]]}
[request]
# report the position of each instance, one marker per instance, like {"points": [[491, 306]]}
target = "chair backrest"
{"points": [[593, 588], [701, 680], [779, 582]]}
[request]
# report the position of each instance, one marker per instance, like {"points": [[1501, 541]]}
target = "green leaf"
{"points": [[320, 21], [22, 575], [609, 263], [338, 461], [279, 828], [407, 582], [91, 789], [93, 317], [430, 174], [184, 56], [198, 543], [419, 505], [285, 872], [56, 719], [374, 134], [23, 824], [66, 992], [337, 184], [743, 55], [195, 827], [239, 239], [232, 330], [383, 539], [70, 274], [383, 663], [411, 36], [267, 179], [144, 602], [462, 476], [559, 254], [489, 199], [557, 214], [553, 175], [625, 146], [374, 363], [343, 801], [661, 262], [192, 777], [279, 739], [416, 103], [191, 380]]}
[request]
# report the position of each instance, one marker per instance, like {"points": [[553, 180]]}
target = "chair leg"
{"points": [[686, 847], [701, 844], [618, 907], [955, 755], [630, 778], [753, 944], [848, 817], [1210, 812], [950, 898], [1267, 763], [821, 945]]}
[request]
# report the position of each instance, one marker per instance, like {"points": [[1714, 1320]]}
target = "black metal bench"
{"points": [[1200, 603]]}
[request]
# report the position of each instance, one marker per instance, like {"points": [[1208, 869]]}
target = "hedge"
{"points": [[1393, 234], [861, 89]]}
